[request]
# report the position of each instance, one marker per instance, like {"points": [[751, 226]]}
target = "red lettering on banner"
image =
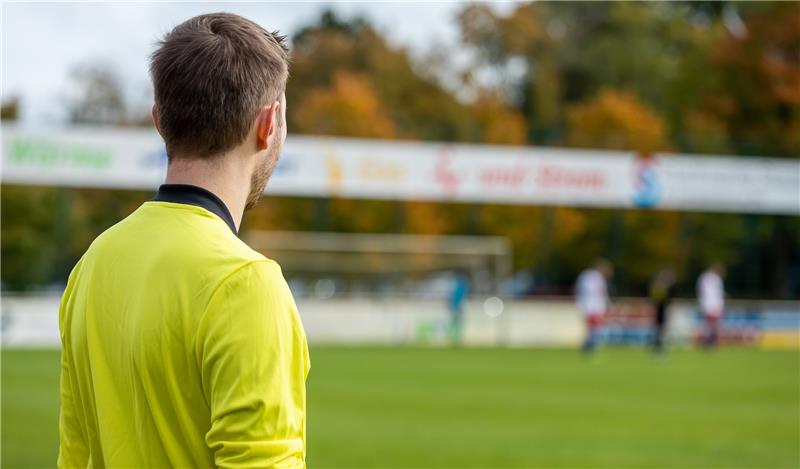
{"points": [[508, 176], [444, 173], [553, 176]]}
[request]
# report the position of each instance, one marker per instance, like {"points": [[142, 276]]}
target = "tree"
{"points": [[759, 70], [552, 55], [500, 124], [417, 105], [9, 110], [96, 96], [698, 77], [28, 231], [616, 120], [348, 107]]}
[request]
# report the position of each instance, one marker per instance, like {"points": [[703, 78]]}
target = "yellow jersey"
{"points": [[181, 346]]}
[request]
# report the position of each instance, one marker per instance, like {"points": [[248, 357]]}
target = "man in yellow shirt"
{"points": [[182, 347]]}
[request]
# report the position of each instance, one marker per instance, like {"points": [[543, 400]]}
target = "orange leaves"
{"points": [[432, 218], [705, 133], [348, 107], [500, 123], [616, 120]]}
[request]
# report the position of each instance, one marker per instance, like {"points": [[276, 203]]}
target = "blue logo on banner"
{"points": [[646, 186], [286, 166], [155, 159]]}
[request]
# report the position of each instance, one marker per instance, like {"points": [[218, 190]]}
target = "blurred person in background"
{"points": [[591, 295], [455, 304], [181, 345], [711, 299], [661, 293]]}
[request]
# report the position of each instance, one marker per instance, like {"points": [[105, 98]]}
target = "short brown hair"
{"points": [[211, 74]]}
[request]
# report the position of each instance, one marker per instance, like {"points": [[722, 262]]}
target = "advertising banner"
{"points": [[381, 169]]}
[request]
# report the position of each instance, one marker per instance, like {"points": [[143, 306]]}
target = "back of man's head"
{"points": [[211, 75]]}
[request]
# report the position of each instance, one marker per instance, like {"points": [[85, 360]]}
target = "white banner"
{"points": [[381, 169]]}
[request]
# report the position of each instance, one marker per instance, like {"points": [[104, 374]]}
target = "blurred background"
{"points": [[456, 164]]}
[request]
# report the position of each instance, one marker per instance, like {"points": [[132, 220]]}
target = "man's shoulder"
{"points": [[210, 251], [111, 238], [257, 273]]}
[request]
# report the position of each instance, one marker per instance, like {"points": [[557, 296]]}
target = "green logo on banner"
{"points": [[48, 154]]}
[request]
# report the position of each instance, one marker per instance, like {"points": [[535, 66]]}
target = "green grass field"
{"points": [[494, 408]]}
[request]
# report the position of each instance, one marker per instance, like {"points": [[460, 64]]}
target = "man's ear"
{"points": [[155, 120], [267, 123]]}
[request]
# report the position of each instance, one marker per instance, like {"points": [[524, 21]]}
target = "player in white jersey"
{"points": [[591, 296], [711, 299]]}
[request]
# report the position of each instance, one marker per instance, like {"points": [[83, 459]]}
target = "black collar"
{"points": [[193, 195]]}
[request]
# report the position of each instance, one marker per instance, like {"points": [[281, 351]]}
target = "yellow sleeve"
{"points": [[253, 360], [73, 448]]}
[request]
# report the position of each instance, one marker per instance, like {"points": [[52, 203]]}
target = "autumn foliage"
{"points": [[699, 77]]}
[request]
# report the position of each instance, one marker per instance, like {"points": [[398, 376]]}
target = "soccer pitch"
{"points": [[496, 408]]}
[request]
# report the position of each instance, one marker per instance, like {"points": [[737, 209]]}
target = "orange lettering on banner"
{"points": [[335, 172], [380, 170]]}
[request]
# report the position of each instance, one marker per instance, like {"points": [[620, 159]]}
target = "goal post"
{"points": [[488, 259]]}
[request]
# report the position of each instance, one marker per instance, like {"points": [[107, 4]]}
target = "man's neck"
{"points": [[228, 182]]}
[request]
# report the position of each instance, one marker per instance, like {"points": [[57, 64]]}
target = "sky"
{"points": [[43, 42]]}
